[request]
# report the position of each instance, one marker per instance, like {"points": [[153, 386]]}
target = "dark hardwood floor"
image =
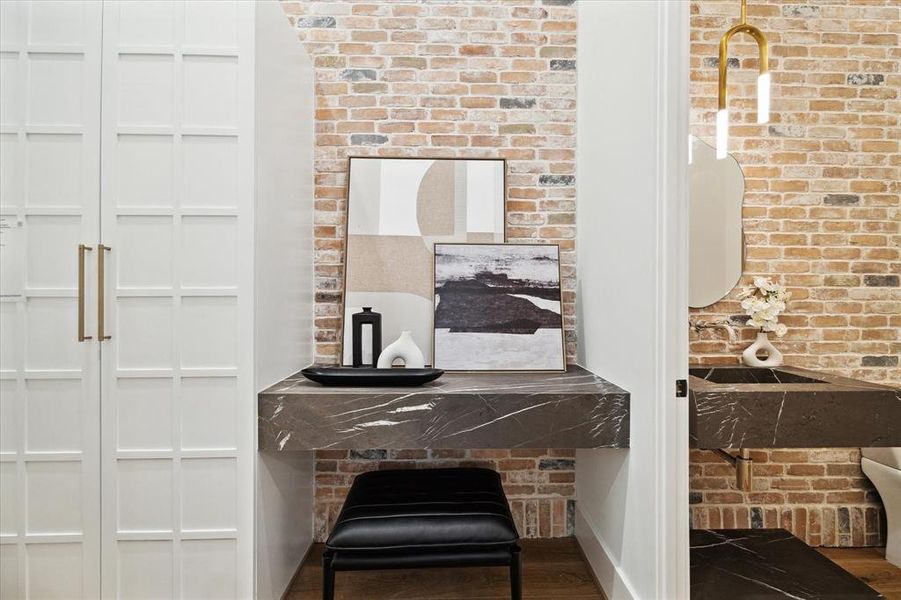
{"points": [[552, 569], [868, 564]]}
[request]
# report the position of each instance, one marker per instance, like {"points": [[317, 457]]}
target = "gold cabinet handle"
{"points": [[81, 250], [101, 308]]}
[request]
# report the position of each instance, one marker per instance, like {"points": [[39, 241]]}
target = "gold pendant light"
{"points": [[763, 80]]}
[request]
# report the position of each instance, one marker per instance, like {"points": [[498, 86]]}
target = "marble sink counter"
{"points": [[576, 409], [789, 408]]}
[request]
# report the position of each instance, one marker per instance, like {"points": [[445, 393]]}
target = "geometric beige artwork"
{"points": [[398, 208]]}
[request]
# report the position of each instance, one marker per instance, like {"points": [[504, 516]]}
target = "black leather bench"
{"points": [[423, 518]]}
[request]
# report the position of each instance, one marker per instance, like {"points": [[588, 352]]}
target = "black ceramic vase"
{"points": [[374, 320]]}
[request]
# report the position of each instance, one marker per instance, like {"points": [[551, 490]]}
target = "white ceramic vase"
{"points": [[404, 348], [773, 358]]}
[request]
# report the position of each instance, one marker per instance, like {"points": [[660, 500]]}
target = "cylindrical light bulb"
{"points": [[722, 133], [763, 98]]}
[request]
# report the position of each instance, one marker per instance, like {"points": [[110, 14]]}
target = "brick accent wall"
{"points": [[821, 214], [540, 483], [820, 495], [443, 79], [447, 78]]}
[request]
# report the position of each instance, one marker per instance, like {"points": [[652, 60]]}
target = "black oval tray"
{"points": [[368, 376]]}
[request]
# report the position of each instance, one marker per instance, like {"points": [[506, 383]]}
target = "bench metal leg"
{"points": [[328, 577], [515, 573]]}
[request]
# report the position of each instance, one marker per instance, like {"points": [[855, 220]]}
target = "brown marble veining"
{"points": [[789, 407], [576, 409]]}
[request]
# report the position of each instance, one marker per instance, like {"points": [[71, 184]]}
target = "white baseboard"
{"points": [[294, 577], [601, 562]]}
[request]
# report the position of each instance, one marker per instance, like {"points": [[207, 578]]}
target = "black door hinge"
{"points": [[681, 388]]}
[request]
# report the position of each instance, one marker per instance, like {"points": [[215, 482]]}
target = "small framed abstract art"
{"points": [[498, 307]]}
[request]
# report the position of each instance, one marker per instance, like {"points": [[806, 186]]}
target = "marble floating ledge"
{"points": [[576, 409], [808, 410]]}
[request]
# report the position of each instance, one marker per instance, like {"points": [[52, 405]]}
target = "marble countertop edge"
{"points": [[576, 409]]}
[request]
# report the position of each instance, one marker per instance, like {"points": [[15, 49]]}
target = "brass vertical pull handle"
{"points": [[81, 250], [101, 283]]}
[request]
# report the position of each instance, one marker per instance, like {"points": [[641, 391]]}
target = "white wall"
{"points": [[632, 505], [284, 283], [284, 198], [284, 519]]}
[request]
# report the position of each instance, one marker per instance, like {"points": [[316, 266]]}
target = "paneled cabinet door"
{"points": [[49, 374], [177, 495]]}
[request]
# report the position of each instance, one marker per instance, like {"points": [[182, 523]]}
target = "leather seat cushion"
{"points": [[415, 558], [427, 508]]}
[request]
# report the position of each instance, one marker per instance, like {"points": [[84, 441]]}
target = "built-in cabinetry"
{"points": [[49, 381], [142, 150]]}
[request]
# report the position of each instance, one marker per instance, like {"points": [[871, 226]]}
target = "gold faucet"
{"points": [[722, 323], [744, 466]]}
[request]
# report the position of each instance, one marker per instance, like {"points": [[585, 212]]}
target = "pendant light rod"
{"points": [[763, 52], [763, 79]]}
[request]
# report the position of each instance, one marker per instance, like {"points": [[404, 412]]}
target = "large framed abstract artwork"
{"points": [[398, 208], [498, 307]]}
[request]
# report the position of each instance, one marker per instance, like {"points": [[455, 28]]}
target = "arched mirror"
{"points": [[716, 244]]}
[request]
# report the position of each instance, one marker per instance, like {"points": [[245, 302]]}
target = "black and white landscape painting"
{"points": [[498, 307]]}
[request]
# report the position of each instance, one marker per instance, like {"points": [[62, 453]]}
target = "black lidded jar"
{"points": [[373, 319]]}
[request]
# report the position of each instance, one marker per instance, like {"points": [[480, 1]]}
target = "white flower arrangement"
{"points": [[763, 301]]}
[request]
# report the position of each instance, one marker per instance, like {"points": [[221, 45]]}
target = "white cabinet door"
{"points": [[177, 136], [49, 384]]}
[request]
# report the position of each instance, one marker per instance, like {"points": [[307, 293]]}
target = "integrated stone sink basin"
{"points": [[749, 375], [788, 407]]}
